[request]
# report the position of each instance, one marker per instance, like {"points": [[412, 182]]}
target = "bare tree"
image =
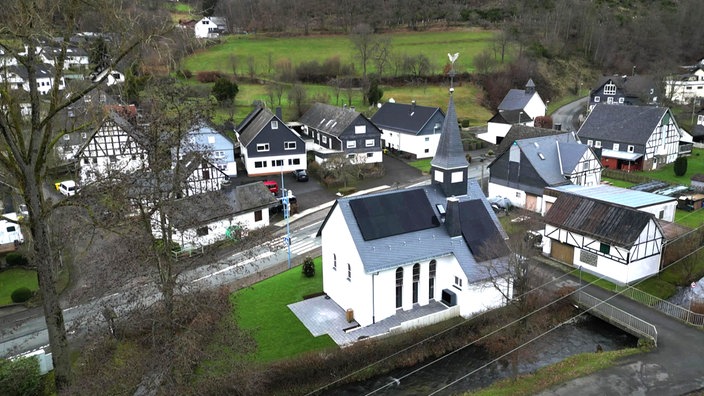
{"points": [[28, 142], [297, 97]]}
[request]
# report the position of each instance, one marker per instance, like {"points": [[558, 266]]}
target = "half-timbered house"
{"points": [[617, 242], [632, 137], [528, 166]]}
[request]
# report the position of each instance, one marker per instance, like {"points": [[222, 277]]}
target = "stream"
{"points": [[579, 336]]}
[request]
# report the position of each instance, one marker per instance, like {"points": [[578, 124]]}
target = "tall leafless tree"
{"points": [[28, 141]]}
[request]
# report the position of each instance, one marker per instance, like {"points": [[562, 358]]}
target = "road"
{"points": [[568, 115], [26, 333]]}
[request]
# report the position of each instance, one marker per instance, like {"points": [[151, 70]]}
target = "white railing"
{"points": [[427, 320], [664, 306], [618, 317]]}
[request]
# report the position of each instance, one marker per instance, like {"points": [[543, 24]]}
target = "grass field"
{"points": [[466, 98], [262, 310], [695, 164], [268, 51], [14, 278]]}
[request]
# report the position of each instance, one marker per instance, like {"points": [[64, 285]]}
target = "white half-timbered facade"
{"points": [[616, 242]]}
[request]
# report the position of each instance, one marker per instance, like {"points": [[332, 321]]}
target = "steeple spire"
{"points": [[449, 165]]}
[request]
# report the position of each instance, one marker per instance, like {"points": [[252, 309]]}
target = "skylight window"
{"points": [[542, 157]]}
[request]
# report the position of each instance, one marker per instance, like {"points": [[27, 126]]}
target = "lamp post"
{"points": [[285, 202], [520, 113]]}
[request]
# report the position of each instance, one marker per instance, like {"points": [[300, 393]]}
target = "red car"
{"points": [[272, 186]]}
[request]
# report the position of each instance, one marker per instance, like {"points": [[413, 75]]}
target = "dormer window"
{"points": [[610, 89]]}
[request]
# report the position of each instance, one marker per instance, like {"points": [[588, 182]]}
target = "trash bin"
{"points": [[349, 315]]}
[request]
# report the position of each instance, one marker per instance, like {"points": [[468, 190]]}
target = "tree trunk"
{"points": [[43, 258]]}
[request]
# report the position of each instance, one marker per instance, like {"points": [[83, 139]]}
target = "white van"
{"points": [[67, 188]]}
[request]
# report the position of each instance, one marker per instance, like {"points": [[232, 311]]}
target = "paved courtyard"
{"points": [[321, 315]]}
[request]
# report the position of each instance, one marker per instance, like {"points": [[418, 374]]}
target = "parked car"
{"points": [[301, 175], [279, 207], [272, 186], [67, 188]]}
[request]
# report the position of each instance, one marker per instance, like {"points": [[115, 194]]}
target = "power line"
{"points": [[483, 337], [428, 338]]}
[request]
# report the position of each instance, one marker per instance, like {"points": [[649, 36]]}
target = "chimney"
{"points": [[279, 113], [452, 217]]}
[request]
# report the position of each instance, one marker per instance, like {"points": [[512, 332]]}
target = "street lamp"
{"points": [[285, 202], [520, 113]]}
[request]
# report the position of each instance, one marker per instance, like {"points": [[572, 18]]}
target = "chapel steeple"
{"points": [[449, 167]]}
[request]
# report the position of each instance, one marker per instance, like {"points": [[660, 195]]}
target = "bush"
{"points": [[680, 166], [209, 76], [20, 377], [308, 267], [224, 90], [16, 260], [21, 295]]}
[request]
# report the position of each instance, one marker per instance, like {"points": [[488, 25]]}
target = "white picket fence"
{"points": [[427, 320]]}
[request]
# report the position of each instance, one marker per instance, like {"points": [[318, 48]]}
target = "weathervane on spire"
{"points": [[453, 58]]}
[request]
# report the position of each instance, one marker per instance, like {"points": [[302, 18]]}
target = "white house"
{"points": [[203, 219], [609, 240], [210, 27], [396, 250], [519, 107], [685, 87], [528, 166], [409, 128]]}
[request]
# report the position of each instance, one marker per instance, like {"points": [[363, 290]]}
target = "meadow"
{"points": [[267, 51]]}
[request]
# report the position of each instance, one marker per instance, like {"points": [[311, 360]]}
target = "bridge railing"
{"points": [[618, 316], [664, 306]]}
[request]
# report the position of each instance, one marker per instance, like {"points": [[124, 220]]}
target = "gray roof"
{"points": [[406, 118], [624, 124], [517, 99], [329, 119], [522, 132], [616, 195], [551, 165], [450, 152], [604, 222], [201, 209], [255, 121], [631, 86], [510, 117], [405, 248]]}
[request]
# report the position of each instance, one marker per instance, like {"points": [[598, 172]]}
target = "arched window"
{"points": [[431, 279], [399, 287], [416, 281]]}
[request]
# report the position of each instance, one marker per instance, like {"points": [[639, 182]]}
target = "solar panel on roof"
{"points": [[385, 215], [480, 232]]}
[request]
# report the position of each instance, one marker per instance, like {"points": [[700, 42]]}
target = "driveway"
{"points": [[568, 115]]}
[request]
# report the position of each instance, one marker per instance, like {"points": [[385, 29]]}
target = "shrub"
{"points": [[209, 76], [20, 377], [680, 166], [16, 260], [224, 89], [490, 152], [21, 295], [184, 73], [347, 190], [308, 267]]}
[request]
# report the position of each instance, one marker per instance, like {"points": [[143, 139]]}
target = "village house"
{"points": [[686, 87], [268, 146], [409, 128], [519, 107], [432, 245], [523, 171], [628, 90], [632, 137], [210, 27]]}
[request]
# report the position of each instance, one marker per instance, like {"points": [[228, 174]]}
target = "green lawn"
{"points": [[618, 183], [262, 310], [422, 164], [690, 219], [695, 164], [268, 51], [14, 278]]}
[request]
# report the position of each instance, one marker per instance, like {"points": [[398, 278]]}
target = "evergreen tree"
{"points": [[680, 166]]}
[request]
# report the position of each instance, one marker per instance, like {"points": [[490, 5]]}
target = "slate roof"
{"points": [[609, 223], [405, 248], [616, 195], [330, 119], [522, 132], [201, 209], [631, 86], [405, 118], [624, 124], [551, 165], [450, 153], [255, 121], [698, 130]]}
